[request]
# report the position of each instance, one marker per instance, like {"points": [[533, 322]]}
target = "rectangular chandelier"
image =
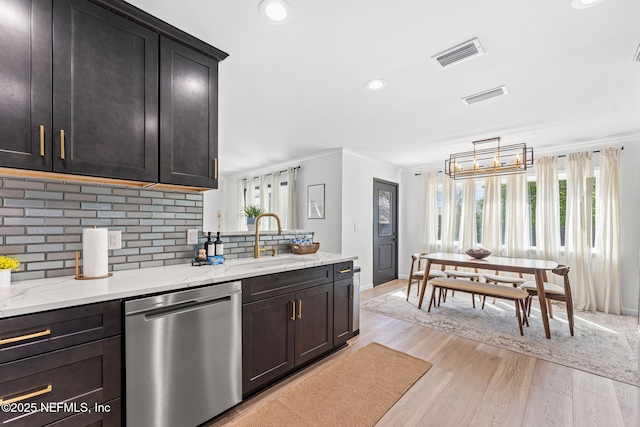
{"points": [[508, 159]]}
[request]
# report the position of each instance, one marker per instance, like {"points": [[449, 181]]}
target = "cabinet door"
{"points": [[86, 374], [25, 84], [314, 322], [105, 93], [267, 341], [342, 311], [188, 116]]}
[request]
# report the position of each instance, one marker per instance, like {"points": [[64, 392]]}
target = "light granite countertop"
{"points": [[31, 296]]}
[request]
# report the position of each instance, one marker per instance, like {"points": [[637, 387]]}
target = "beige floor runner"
{"points": [[355, 391]]}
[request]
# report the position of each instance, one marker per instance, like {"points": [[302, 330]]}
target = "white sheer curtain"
{"points": [[577, 240], [516, 233], [448, 213], [265, 223], [275, 198], [431, 212], [607, 268], [292, 217], [491, 224], [242, 222], [547, 208], [468, 237]]}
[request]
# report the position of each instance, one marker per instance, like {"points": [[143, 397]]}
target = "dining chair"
{"points": [[553, 292], [417, 272]]}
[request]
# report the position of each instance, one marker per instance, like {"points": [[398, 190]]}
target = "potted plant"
{"points": [[7, 265], [252, 212]]}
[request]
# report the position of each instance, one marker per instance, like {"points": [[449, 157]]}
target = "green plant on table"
{"points": [[252, 211], [9, 263]]}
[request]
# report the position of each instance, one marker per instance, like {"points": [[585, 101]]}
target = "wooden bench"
{"points": [[516, 295]]}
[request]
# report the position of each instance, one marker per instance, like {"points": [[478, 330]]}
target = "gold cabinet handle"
{"points": [[25, 337], [299, 309], [353, 291], [41, 140], [45, 390], [293, 310], [215, 168], [348, 270], [62, 144]]}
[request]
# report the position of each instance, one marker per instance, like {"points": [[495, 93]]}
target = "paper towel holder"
{"points": [[80, 276]]}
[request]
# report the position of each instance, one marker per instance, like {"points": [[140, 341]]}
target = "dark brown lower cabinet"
{"points": [[267, 341], [314, 323], [284, 332], [343, 311], [108, 414], [59, 384]]}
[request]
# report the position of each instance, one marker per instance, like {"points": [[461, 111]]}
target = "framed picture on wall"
{"points": [[315, 201]]}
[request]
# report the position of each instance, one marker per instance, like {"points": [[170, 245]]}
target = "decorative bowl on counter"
{"points": [[478, 253]]}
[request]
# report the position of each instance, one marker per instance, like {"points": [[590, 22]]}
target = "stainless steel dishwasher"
{"points": [[183, 354]]}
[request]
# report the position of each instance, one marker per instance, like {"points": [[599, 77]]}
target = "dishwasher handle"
{"points": [[183, 307]]}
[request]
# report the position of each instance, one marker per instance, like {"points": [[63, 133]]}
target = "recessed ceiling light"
{"points": [[276, 11], [375, 84], [583, 4]]}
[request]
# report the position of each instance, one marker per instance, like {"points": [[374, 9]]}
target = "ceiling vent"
{"points": [[456, 54], [636, 57], [487, 94]]}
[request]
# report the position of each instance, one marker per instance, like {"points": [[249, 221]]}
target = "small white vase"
{"points": [[5, 278]]}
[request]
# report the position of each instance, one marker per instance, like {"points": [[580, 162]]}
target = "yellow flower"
{"points": [[10, 263]]}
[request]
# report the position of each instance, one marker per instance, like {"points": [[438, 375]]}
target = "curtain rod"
{"points": [[594, 151], [284, 170], [562, 155]]}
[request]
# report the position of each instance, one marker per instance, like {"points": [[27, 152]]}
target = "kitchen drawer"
{"points": [[34, 334], [342, 270], [78, 377], [261, 287], [107, 415]]}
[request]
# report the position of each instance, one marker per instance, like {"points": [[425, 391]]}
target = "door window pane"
{"points": [[384, 213]]}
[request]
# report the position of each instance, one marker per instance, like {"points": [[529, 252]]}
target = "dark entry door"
{"points": [[385, 231]]}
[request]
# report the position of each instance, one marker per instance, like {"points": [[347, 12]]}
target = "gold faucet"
{"points": [[256, 248]]}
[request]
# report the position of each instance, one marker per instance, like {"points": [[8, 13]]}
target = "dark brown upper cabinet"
{"points": [[105, 96], [82, 92], [188, 116], [25, 84]]}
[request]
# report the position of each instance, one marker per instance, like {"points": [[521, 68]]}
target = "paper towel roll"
{"points": [[95, 252]]}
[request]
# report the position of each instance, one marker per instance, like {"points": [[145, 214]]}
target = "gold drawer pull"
{"points": [[62, 144], [348, 270], [45, 390], [25, 337], [293, 310], [299, 309], [41, 140]]}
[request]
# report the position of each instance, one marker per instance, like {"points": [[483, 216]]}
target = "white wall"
{"points": [[213, 201], [630, 223], [412, 212], [327, 170], [357, 202], [411, 219]]}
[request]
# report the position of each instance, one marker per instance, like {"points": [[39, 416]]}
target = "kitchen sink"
{"points": [[265, 262]]}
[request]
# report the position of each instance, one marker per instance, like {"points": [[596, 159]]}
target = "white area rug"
{"points": [[603, 344]]}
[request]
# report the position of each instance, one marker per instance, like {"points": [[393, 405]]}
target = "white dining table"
{"points": [[536, 267]]}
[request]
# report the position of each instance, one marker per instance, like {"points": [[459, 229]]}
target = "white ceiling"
{"points": [[294, 90]]}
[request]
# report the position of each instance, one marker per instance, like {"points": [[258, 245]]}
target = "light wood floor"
{"points": [[472, 384]]}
